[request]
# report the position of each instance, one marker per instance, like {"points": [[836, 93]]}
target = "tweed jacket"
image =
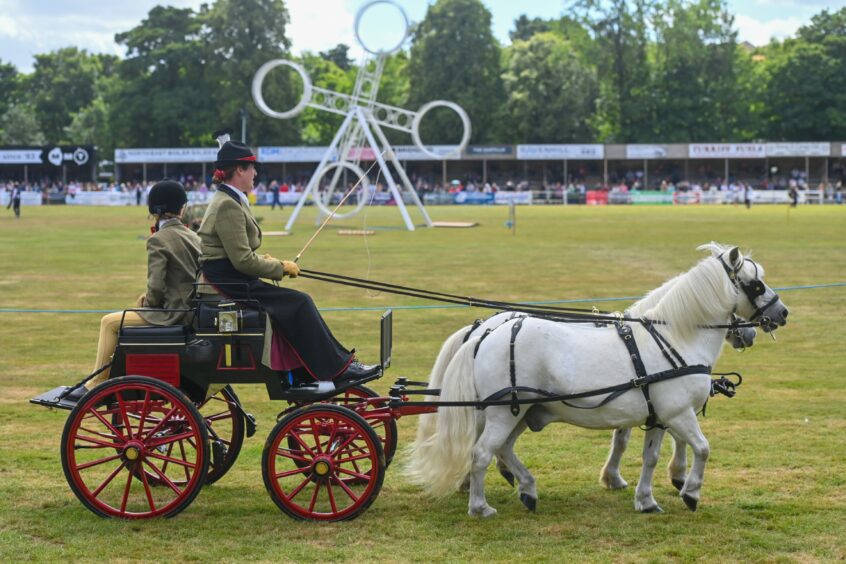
{"points": [[229, 231], [173, 255]]}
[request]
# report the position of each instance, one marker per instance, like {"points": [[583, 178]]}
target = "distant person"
{"points": [[274, 189], [173, 257], [15, 201], [794, 196], [747, 195], [137, 195]]}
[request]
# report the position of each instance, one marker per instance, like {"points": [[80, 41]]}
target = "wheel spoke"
{"points": [[219, 416], [147, 490], [294, 472], [170, 459], [145, 410], [316, 435], [354, 474], [346, 488], [126, 492], [352, 458], [185, 459], [158, 426], [123, 414], [331, 498], [103, 444], [297, 438], [159, 441], [111, 427], [164, 478], [299, 488], [290, 454], [96, 462], [108, 480], [314, 497]]}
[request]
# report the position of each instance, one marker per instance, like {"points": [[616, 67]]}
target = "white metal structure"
{"points": [[361, 128]]}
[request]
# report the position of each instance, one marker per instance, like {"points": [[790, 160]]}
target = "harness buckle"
{"points": [[639, 382]]}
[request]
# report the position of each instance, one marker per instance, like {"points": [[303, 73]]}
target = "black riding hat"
{"points": [[167, 196], [232, 152]]}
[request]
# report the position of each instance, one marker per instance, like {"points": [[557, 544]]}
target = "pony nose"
{"points": [[784, 313]]}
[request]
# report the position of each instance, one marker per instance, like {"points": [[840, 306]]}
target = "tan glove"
{"points": [[290, 268], [267, 256], [140, 301]]}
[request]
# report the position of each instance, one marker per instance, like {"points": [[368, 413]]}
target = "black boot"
{"points": [[358, 370]]}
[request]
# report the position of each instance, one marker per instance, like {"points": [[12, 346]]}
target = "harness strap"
{"points": [[625, 333], [664, 346], [512, 367], [482, 338], [470, 332]]}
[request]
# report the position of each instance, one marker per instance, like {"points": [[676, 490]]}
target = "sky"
{"points": [[28, 27]]}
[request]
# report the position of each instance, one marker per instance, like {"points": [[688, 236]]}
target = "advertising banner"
{"points": [[646, 151], [166, 155], [412, 153], [560, 152], [519, 198], [293, 154], [490, 151], [727, 151], [56, 155], [473, 198], [596, 197], [798, 149], [27, 198], [20, 156], [640, 197]]}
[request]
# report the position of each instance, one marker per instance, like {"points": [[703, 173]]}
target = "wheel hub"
{"points": [[133, 451], [322, 467]]}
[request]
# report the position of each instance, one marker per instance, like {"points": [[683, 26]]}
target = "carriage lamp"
{"points": [[227, 321]]}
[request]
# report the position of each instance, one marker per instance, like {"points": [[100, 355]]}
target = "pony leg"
{"points": [[685, 427], [610, 476], [496, 433], [644, 502], [507, 461], [677, 468]]}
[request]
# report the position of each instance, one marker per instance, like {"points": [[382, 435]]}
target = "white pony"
{"points": [[565, 358], [739, 338]]}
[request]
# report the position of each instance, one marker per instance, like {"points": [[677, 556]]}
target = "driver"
{"points": [[230, 237]]}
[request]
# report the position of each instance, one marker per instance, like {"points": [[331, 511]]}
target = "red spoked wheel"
{"points": [[386, 431], [226, 428], [160, 434], [336, 471]]}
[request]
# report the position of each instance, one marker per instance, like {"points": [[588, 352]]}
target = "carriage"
{"points": [[144, 442]]}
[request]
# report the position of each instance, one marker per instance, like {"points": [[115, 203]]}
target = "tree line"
{"points": [[614, 71]]}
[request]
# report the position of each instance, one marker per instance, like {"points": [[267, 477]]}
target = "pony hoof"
{"points": [[690, 501], [677, 483], [530, 502], [484, 512], [509, 477], [653, 509], [616, 484]]}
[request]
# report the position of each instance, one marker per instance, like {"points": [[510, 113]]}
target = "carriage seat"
{"points": [[154, 334]]}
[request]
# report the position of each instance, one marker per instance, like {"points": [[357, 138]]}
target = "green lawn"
{"points": [[775, 486]]}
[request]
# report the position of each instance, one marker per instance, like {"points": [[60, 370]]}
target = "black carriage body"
{"points": [[223, 345]]}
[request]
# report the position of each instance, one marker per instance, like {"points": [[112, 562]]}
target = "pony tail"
{"points": [[427, 422], [441, 462]]}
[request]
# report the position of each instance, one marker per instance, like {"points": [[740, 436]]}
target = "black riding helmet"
{"points": [[167, 196]]}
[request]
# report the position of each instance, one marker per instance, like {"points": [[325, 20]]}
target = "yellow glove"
{"points": [[290, 268], [267, 256]]}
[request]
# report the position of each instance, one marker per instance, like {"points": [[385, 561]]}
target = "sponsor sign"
{"points": [[20, 156], [473, 198], [167, 155], [798, 149], [412, 153], [293, 154], [646, 151], [560, 152], [596, 197], [490, 151], [639, 197], [519, 198], [56, 155], [28, 198], [726, 150], [843, 150]]}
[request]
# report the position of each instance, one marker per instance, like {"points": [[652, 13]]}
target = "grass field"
{"points": [[775, 485]]}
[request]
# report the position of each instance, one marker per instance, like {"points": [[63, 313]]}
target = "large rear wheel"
{"points": [[126, 431]]}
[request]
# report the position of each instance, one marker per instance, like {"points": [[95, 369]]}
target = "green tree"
{"points": [[339, 54], [163, 97], [695, 74], [620, 36], [9, 87], [62, 83], [19, 126], [806, 92], [551, 91], [525, 28], [240, 36], [454, 56]]}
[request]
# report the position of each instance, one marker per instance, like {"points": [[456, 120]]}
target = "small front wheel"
{"points": [[135, 448], [333, 474]]}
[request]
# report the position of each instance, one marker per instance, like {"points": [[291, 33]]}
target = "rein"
{"points": [[553, 313]]}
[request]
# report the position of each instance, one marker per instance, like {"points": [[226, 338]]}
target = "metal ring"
{"points": [[331, 166], [258, 80], [465, 121], [379, 52]]}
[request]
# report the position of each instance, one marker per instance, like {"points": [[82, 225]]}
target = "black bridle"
{"points": [[752, 289]]}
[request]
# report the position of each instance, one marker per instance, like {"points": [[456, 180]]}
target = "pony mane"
{"points": [[688, 300]]}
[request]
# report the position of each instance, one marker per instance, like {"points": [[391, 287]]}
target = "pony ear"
{"points": [[735, 258]]}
